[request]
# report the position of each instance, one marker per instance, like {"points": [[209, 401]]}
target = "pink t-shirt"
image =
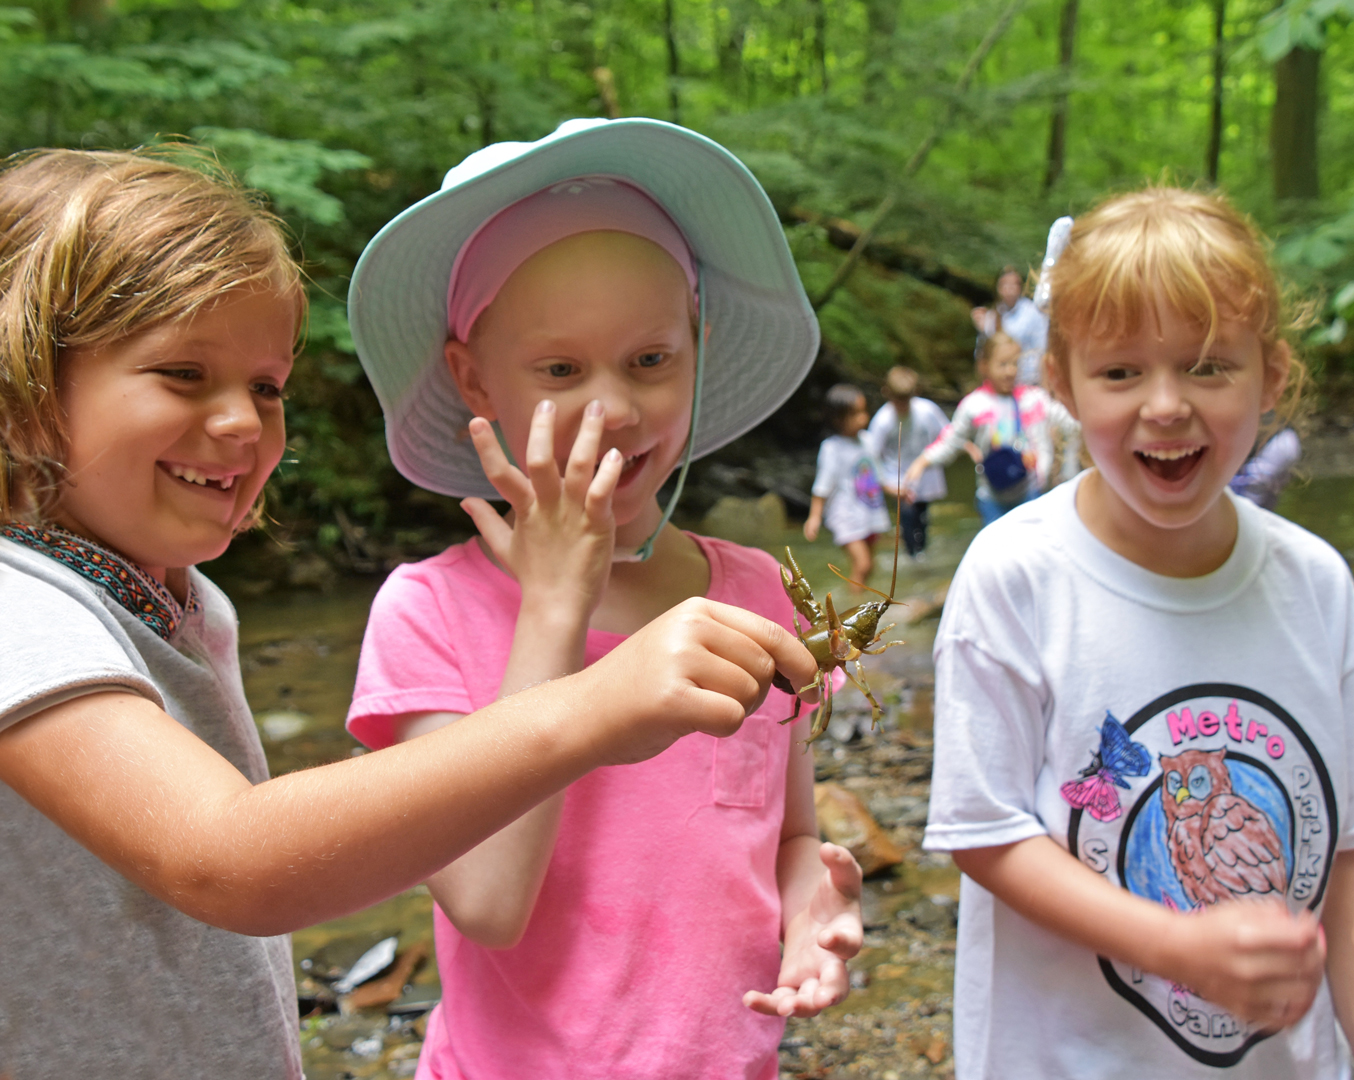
{"points": [[660, 906]]}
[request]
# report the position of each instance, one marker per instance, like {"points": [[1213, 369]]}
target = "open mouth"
{"points": [[200, 479], [631, 466], [1172, 465]]}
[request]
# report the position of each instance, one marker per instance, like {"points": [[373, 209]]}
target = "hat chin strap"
{"points": [[645, 550]]}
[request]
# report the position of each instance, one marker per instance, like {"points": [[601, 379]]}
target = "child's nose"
{"points": [[234, 415], [619, 407], [1166, 401]]}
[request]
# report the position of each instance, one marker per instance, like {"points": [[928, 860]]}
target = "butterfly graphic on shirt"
{"points": [[1118, 756]]}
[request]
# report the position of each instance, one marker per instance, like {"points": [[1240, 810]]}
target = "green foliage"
{"points": [[286, 169], [344, 112], [1298, 24]]}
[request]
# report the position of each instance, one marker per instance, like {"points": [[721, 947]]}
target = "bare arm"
{"points": [[814, 522], [165, 810], [558, 547], [1253, 958], [490, 892], [949, 444], [1338, 919]]}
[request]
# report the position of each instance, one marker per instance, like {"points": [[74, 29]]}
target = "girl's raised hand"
{"points": [[560, 541]]}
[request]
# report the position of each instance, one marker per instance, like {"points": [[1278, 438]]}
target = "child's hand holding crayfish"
{"points": [[559, 543]]}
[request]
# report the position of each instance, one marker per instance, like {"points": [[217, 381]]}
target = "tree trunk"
{"points": [[1219, 66], [670, 33], [1293, 125], [1057, 129], [820, 41], [881, 17]]}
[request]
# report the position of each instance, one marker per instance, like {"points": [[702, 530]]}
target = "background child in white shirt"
{"points": [[846, 490], [921, 421]]}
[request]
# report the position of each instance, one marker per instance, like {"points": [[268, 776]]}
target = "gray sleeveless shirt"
{"points": [[97, 977]]}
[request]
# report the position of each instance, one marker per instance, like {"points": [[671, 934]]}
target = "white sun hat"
{"points": [[763, 337]]}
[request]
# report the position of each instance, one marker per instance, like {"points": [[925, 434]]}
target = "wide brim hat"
{"points": [[763, 333]]}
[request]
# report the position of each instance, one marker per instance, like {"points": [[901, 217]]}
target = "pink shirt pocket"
{"points": [[740, 760]]}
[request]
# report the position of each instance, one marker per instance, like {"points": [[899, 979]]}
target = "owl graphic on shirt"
{"points": [[1221, 846]]}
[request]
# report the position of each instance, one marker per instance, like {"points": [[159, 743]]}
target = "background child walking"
{"points": [[1144, 698], [847, 493], [561, 290], [913, 423], [148, 867], [1008, 430]]}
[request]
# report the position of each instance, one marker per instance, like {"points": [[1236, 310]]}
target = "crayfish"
{"points": [[834, 640]]}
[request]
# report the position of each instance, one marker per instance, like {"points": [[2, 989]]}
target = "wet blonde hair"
{"points": [[1188, 249], [96, 247]]}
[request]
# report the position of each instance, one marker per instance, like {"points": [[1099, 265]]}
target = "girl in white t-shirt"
{"points": [[846, 489], [1144, 695]]}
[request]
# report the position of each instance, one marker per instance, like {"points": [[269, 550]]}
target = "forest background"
{"points": [[911, 147]]}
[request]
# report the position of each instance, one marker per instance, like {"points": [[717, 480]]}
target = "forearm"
{"points": [[1041, 881], [490, 892], [1338, 919], [160, 806], [798, 871], [949, 444], [303, 847]]}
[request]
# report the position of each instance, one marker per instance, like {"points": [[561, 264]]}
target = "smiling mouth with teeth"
{"points": [[1173, 464], [201, 479]]}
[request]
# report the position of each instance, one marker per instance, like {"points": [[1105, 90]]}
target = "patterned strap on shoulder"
{"points": [[131, 586]]}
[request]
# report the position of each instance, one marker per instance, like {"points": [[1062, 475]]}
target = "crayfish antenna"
{"points": [[861, 584], [898, 519]]}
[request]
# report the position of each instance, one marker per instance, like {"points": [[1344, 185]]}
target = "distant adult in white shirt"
{"points": [[919, 423], [1017, 317]]}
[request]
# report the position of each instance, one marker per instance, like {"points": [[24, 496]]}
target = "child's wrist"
{"points": [[1162, 947], [560, 614]]}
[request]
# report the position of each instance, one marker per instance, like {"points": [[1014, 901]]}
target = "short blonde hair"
{"points": [[1189, 249], [96, 247]]}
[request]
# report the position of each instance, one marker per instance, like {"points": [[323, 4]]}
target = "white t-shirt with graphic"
{"points": [[848, 482], [1191, 740]]}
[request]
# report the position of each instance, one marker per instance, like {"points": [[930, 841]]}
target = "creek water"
{"points": [[299, 653]]}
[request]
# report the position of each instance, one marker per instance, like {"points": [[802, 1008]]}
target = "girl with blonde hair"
{"points": [[1144, 695]]}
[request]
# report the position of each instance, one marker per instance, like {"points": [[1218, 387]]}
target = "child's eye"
{"points": [[182, 374], [1207, 366], [560, 370], [650, 359], [271, 391], [1119, 374]]}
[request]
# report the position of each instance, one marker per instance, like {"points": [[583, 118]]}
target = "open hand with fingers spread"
{"points": [[818, 941], [559, 543]]}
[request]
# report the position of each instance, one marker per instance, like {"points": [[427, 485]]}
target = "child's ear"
{"points": [[465, 373], [1278, 366], [1055, 378]]}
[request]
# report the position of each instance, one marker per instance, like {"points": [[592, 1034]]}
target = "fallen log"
{"points": [[844, 234]]}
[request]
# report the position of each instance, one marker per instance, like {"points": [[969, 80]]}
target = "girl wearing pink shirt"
{"points": [[563, 326]]}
